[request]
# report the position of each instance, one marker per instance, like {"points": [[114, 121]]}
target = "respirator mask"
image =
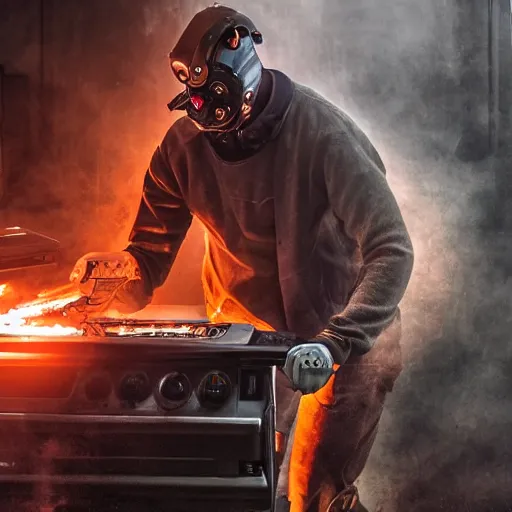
{"points": [[216, 60]]}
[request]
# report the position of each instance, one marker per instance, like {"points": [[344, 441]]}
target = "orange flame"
{"points": [[28, 319]]}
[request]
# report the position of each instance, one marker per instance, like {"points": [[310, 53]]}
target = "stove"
{"points": [[139, 415]]}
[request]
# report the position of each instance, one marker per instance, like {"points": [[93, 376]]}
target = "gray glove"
{"points": [[109, 281], [309, 366]]}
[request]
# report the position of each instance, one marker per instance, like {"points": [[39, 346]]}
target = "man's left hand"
{"points": [[309, 366]]}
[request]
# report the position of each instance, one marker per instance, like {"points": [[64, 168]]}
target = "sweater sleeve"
{"points": [[367, 210], [162, 222]]}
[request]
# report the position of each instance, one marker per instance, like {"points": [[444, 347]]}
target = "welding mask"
{"points": [[216, 60]]}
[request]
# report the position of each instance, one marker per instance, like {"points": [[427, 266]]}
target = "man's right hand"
{"points": [[109, 281]]}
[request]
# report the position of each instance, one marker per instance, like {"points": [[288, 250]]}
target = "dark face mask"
{"points": [[220, 69]]}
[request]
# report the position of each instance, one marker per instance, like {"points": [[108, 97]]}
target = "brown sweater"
{"points": [[343, 254]]}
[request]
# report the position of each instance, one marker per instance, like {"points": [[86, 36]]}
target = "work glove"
{"points": [[109, 281], [309, 366]]}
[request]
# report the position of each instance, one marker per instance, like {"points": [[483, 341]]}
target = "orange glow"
{"points": [[17, 356], [16, 231], [28, 319], [15, 234], [131, 331], [3, 289], [309, 429]]}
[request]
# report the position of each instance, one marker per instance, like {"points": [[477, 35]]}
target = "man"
{"points": [[303, 235]]}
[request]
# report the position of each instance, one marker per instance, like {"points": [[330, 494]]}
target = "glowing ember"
{"points": [[148, 331], [28, 319], [3, 289]]}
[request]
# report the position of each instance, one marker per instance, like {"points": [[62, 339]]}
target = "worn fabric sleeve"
{"points": [[161, 224], [368, 212]]}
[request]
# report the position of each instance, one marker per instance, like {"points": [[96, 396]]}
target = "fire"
{"points": [[29, 319], [148, 331]]}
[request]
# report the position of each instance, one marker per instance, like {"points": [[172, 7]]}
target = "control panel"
{"points": [[184, 417], [160, 389]]}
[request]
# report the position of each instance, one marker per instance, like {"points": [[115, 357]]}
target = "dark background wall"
{"points": [[414, 75]]}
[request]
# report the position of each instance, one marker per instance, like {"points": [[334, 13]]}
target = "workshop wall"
{"points": [[20, 89], [100, 75]]}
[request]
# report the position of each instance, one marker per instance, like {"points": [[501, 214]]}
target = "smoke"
{"points": [[408, 73], [399, 69], [103, 100]]}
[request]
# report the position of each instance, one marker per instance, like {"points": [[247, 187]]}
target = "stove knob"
{"points": [[174, 390], [215, 389], [134, 388]]}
